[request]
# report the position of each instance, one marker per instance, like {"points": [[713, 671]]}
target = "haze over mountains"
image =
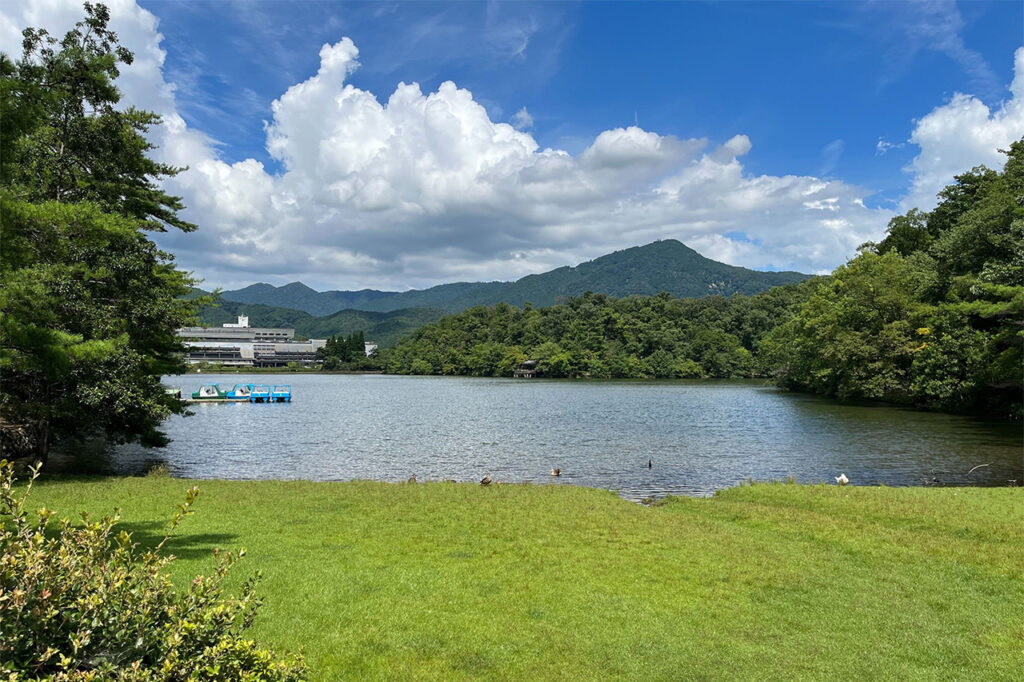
{"points": [[667, 265]]}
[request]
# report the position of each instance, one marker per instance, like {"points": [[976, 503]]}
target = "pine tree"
{"points": [[88, 304]]}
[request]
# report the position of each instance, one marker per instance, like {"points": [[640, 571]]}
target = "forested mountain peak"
{"points": [[666, 265]]}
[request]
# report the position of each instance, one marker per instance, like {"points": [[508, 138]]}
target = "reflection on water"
{"points": [[700, 436]]}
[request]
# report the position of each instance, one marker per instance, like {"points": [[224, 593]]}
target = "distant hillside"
{"points": [[666, 265], [301, 297], [386, 328]]}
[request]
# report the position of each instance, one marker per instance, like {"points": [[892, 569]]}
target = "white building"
{"points": [[239, 345], [243, 321]]}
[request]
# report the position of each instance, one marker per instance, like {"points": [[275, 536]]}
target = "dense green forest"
{"points": [[602, 337], [666, 265], [932, 316]]}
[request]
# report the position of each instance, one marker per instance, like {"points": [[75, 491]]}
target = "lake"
{"points": [[700, 436]]}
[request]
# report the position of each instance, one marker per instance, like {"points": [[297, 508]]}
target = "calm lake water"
{"points": [[700, 436]]}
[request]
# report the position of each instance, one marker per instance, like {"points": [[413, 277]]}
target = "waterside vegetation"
{"points": [[933, 315], [601, 337]]}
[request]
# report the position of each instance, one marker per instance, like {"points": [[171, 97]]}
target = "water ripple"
{"points": [[700, 436]]}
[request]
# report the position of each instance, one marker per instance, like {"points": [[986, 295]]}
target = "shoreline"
{"points": [[161, 471]]}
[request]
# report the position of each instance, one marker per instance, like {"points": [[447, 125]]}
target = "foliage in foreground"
{"points": [[88, 303], [84, 603]]}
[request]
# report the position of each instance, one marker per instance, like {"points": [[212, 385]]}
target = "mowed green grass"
{"points": [[455, 581]]}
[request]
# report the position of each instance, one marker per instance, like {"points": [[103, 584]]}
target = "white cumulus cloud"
{"points": [[961, 134], [424, 187]]}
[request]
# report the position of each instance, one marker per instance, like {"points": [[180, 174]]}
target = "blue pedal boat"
{"points": [[281, 393], [260, 394], [213, 393], [240, 392]]}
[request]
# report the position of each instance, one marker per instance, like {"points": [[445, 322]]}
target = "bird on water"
{"points": [[556, 472], [650, 463], [841, 479]]}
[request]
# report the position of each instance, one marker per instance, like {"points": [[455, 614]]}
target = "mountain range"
{"points": [[667, 265]]}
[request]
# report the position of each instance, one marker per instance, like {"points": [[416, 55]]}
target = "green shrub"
{"points": [[85, 603]]}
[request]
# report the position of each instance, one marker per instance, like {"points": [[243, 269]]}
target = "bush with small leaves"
{"points": [[82, 602]]}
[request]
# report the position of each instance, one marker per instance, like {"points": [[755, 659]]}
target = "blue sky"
{"points": [[814, 85], [529, 136]]}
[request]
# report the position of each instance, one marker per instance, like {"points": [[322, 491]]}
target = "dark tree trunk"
{"points": [[42, 449]]}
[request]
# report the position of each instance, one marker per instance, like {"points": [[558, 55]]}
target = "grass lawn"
{"points": [[443, 580]]}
